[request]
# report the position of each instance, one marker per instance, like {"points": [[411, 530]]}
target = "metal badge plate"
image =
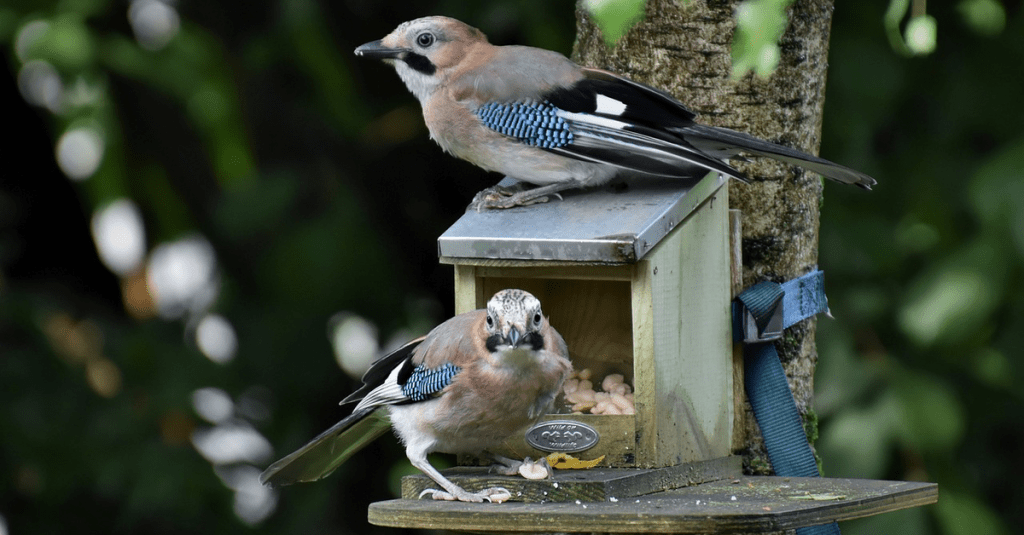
{"points": [[562, 436]]}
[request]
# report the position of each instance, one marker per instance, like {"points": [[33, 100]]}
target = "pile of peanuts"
{"points": [[616, 398]]}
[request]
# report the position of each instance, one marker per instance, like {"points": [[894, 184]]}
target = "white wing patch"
{"points": [[591, 119], [388, 393], [610, 106]]}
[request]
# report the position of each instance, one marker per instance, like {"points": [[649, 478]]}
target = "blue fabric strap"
{"points": [[767, 389], [804, 297]]}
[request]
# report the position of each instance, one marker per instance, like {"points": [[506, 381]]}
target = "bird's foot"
{"points": [[493, 495], [501, 197], [539, 469]]}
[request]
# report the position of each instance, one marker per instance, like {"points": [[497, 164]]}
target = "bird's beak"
{"points": [[377, 50], [513, 337]]}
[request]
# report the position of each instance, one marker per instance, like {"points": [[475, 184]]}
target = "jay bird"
{"points": [[536, 116], [466, 386]]}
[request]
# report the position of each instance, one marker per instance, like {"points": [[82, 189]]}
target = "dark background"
{"points": [[310, 174]]}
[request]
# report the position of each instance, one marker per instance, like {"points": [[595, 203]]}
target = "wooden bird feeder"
{"points": [[639, 280]]}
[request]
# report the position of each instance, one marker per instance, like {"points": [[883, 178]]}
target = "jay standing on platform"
{"points": [[466, 386], [536, 116]]}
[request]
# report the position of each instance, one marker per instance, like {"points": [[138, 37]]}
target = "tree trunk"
{"points": [[684, 48]]}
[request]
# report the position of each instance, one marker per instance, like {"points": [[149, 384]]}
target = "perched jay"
{"points": [[466, 386], [536, 116]]}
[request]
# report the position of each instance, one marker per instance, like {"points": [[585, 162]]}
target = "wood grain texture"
{"points": [[739, 425], [744, 504], [593, 485], [683, 341]]}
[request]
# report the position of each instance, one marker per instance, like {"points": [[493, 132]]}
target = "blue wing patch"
{"points": [[424, 382], [533, 123]]}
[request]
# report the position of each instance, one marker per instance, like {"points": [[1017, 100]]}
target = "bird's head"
{"points": [[423, 50], [514, 321]]}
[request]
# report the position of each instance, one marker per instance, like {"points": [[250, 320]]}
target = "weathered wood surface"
{"points": [[739, 393], [745, 504], [593, 485], [683, 342]]}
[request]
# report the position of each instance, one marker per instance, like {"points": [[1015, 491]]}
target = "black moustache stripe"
{"points": [[419, 62]]}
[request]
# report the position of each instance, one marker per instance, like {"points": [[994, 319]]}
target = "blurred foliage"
{"points": [[615, 17], [919, 376], [250, 127]]}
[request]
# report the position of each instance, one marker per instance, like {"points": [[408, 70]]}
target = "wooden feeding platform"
{"points": [[639, 280], [742, 504]]}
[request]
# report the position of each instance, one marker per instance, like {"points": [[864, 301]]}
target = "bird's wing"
{"points": [[381, 368], [368, 421], [724, 141], [606, 119], [429, 367], [325, 453]]}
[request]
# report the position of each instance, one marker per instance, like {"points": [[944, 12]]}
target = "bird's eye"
{"points": [[425, 39], [537, 318], [490, 321]]}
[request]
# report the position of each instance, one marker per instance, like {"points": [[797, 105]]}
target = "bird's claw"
{"points": [[493, 495], [500, 198]]}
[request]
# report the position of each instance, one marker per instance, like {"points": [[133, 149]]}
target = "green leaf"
{"points": [[933, 417], [962, 514], [986, 17], [951, 302], [759, 26], [995, 189], [856, 441], [921, 34], [615, 17]]}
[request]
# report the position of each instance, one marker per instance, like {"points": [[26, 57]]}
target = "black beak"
{"points": [[376, 50], [513, 337]]}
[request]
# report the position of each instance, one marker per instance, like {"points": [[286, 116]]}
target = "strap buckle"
{"points": [[761, 313], [770, 331]]}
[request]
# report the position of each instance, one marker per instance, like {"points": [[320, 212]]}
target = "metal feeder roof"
{"points": [[603, 225]]}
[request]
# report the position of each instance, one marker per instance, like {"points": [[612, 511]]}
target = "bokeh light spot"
{"points": [[254, 501], [104, 377], [40, 85], [182, 276], [213, 404], [79, 152], [120, 236], [176, 427], [231, 443], [216, 338], [28, 36], [154, 23], [355, 343]]}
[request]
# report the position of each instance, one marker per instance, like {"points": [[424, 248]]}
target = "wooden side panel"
{"points": [[739, 427], [467, 290], [681, 295]]}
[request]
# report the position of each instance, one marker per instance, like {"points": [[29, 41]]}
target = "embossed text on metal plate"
{"points": [[562, 436]]}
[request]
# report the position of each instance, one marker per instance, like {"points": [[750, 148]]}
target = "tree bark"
{"points": [[684, 47]]}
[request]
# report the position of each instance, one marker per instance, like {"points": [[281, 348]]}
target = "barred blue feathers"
{"points": [[424, 382], [530, 122]]}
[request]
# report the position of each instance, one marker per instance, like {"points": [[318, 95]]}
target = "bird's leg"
{"points": [[500, 197], [452, 491]]}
